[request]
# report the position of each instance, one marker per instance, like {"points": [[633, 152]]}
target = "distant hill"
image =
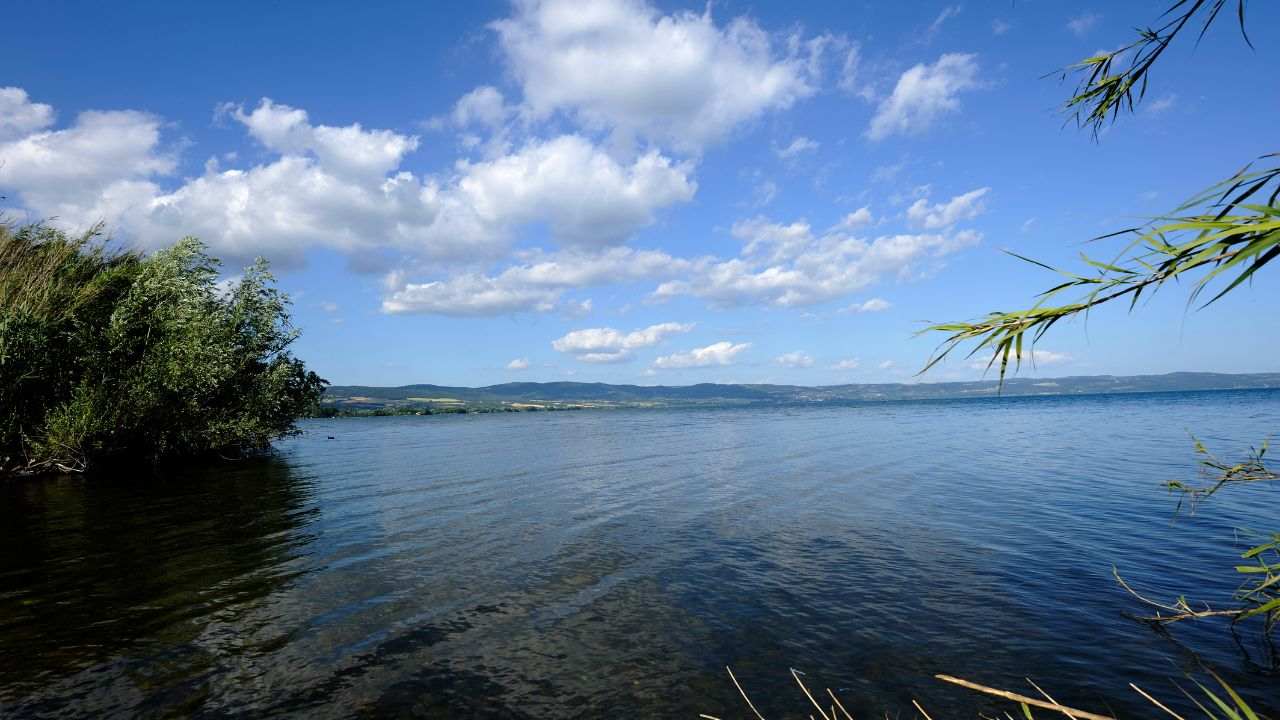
{"points": [[531, 395]]}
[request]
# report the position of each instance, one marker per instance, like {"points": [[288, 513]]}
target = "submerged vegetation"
{"points": [[114, 355]]}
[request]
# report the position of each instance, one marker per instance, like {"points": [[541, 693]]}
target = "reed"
{"points": [[108, 354], [1224, 703]]}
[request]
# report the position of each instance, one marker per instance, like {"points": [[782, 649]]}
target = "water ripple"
{"points": [[583, 564]]}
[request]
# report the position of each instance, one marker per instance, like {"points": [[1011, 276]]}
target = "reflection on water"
{"points": [[577, 564], [147, 585]]}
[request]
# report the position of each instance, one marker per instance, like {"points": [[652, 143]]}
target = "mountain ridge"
{"points": [[598, 394]]}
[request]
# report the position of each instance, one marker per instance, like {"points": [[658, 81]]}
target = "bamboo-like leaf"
{"points": [[1262, 609]]}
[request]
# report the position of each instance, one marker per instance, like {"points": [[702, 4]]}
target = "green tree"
{"points": [[117, 356]]}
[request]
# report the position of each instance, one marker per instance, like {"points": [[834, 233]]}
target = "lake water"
{"points": [[580, 564]]}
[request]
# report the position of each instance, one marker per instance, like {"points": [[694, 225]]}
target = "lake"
{"points": [[583, 564]]}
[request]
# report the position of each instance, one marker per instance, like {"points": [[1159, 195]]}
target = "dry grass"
{"points": [[1232, 706]]}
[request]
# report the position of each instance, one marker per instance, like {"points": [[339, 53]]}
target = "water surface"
{"points": [[592, 563]]}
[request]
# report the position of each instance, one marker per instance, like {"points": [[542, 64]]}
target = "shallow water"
{"points": [[578, 564]]}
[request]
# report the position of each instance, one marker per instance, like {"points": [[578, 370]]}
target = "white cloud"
{"points": [[795, 359], [586, 196], [349, 151], [19, 116], [1162, 104], [680, 78], [922, 214], [606, 345], [799, 145], [887, 365], [518, 364], [329, 307], [82, 173], [885, 173], [789, 266], [1000, 27], [947, 13], [537, 286], [483, 106], [870, 306], [764, 193], [1034, 357], [721, 353], [859, 218], [469, 295], [849, 72], [846, 364], [1049, 357], [1082, 24], [923, 94], [335, 187], [784, 265]]}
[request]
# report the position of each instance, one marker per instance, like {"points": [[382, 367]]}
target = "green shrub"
{"points": [[114, 355]]}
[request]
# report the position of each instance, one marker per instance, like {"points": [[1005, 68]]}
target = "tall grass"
{"points": [[1221, 702], [109, 354]]}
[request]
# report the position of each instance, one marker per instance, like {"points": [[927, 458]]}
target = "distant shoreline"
{"points": [[344, 401]]}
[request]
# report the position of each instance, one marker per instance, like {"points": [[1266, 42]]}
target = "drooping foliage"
{"points": [[1215, 242], [1224, 234], [115, 355]]}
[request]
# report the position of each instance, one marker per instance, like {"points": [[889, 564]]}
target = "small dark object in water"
{"points": [[329, 436]]}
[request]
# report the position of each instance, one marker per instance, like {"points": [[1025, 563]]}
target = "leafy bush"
{"points": [[115, 355]]}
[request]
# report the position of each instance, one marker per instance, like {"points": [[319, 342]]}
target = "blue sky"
{"points": [[631, 192]]}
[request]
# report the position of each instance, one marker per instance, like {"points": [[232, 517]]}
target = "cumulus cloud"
{"points": [[586, 196], [721, 353], [535, 286], [606, 345], [1082, 24], [923, 94], [335, 187], [470, 295], [795, 359], [19, 116], [789, 265], [680, 79], [870, 306], [846, 364], [518, 364], [784, 265], [484, 106], [798, 146], [887, 365], [922, 214], [348, 151], [859, 218], [83, 173], [1034, 357]]}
